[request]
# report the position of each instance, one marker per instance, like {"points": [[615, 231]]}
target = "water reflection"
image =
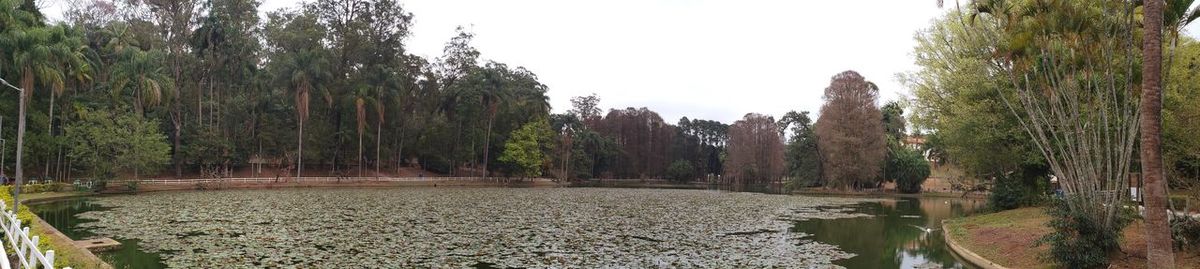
{"points": [[63, 215], [904, 233]]}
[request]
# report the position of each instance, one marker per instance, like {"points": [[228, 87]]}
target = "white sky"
{"points": [[702, 59]]}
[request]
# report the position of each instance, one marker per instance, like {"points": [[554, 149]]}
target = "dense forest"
{"points": [[205, 88]]}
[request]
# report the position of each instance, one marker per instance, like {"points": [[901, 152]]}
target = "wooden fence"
{"points": [[24, 247]]}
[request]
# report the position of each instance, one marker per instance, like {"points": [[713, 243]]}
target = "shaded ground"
{"points": [[1007, 238]]}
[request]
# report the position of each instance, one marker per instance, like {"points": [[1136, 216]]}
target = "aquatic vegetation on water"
{"points": [[459, 227]]}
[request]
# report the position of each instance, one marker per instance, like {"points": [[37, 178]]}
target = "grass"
{"points": [[1007, 238]]}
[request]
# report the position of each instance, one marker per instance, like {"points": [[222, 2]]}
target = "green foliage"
{"points": [[1181, 116], [893, 120], [1079, 239], [960, 99], [803, 159], [1185, 232], [1005, 195], [524, 150], [908, 168], [107, 143], [681, 171], [48, 187]]}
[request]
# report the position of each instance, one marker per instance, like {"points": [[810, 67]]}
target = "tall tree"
{"points": [[958, 98], [802, 155], [34, 54], [361, 98], [850, 133], [755, 151], [1158, 231], [298, 62]]}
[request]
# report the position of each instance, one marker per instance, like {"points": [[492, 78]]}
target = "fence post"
{"points": [[32, 260], [50, 258]]}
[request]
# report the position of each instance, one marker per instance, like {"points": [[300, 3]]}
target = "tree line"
{"points": [[204, 88]]}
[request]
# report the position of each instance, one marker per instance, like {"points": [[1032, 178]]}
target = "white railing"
{"points": [[26, 248], [294, 179]]}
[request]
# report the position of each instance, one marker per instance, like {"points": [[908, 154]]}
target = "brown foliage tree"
{"points": [[644, 139], [850, 133], [755, 153]]}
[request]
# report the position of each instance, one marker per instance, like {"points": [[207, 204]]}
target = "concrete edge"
{"points": [[967, 254], [93, 261]]}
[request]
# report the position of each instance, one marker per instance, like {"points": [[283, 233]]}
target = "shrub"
{"points": [[908, 168], [131, 185], [1185, 232], [1006, 194], [46, 187], [1080, 239], [681, 171], [1009, 192]]}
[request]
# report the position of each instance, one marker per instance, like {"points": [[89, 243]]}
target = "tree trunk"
{"points": [[20, 146], [177, 153], [378, 138], [300, 150], [487, 141], [1159, 253], [360, 154], [49, 131]]}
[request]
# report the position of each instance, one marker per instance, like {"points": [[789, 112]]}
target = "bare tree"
{"points": [[644, 139], [755, 151], [850, 133]]}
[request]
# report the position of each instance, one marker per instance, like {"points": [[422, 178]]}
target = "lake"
{"points": [[499, 228]]}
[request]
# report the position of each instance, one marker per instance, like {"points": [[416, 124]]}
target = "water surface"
{"points": [[896, 236], [627, 220]]}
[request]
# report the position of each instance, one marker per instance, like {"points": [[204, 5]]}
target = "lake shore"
{"points": [[1007, 238]]}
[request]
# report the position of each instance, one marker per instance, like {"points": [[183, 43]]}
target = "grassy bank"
{"points": [[1007, 238], [824, 191]]}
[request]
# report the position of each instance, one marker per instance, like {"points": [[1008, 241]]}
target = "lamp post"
{"points": [[20, 143]]}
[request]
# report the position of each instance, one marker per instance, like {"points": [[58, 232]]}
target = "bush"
{"points": [[1009, 192], [1006, 194], [47, 187], [681, 171], [1079, 239], [908, 168], [1185, 232]]}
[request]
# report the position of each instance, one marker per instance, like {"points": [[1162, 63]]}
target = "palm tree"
{"points": [[1158, 233], [303, 71], [361, 97], [143, 73], [33, 59], [70, 45], [493, 92], [1159, 18]]}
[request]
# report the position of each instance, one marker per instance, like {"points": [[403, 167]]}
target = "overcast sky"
{"points": [[704, 59]]}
